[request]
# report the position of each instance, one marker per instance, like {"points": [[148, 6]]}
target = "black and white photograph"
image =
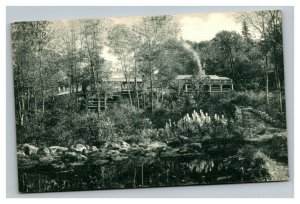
{"points": [[149, 101]]}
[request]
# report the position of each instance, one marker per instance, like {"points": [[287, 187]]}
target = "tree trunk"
{"points": [[135, 87], [98, 104], [277, 79], [28, 99], [151, 87], [129, 93], [105, 101], [43, 101], [267, 88], [35, 101]]}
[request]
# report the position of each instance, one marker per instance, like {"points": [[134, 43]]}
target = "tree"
{"points": [[153, 33], [121, 42], [268, 25], [245, 32], [226, 44], [92, 32], [229, 54], [32, 58]]}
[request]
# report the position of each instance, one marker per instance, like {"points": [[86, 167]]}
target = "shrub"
{"points": [[196, 126]]}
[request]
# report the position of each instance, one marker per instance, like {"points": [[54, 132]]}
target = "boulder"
{"points": [[156, 146], [78, 148], [93, 149], [124, 145], [73, 157], [46, 159], [119, 158], [21, 153], [195, 146], [57, 150], [29, 149], [113, 146], [123, 150], [138, 151], [112, 152], [101, 155], [81, 157], [143, 145], [86, 152], [43, 151]]}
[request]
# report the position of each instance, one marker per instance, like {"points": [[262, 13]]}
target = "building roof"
{"points": [[216, 77], [138, 79], [181, 77]]}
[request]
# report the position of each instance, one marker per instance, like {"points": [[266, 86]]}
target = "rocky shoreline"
{"points": [[57, 158]]}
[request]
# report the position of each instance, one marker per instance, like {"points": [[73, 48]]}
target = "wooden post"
{"points": [[221, 88], [209, 88]]}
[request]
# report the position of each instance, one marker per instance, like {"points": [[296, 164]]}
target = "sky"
{"points": [[194, 27], [201, 27]]}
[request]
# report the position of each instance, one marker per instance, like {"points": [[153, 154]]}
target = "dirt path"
{"points": [[277, 171], [269, 141]]}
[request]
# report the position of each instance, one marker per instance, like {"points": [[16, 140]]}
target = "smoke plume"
{"points": [[196, 57]]}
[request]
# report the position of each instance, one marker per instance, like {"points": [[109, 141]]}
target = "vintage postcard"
{"points": [[150, 101]]}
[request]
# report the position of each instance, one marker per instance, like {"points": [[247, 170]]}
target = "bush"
{"points": [[196, 127]]}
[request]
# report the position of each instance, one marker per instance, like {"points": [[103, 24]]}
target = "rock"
{"points": [[123, 150], [100, 155], [124, 145], [73, 157], [93, 149], [136, 150], [114, 146], [78, 148], [57, 150], [21, 153], [69, 157], [86, 152], [112, 152], [46, 159], [143, 145], [81, 157], [156, 146], [43, 151], [29, 149], [196, 146], [89, 150], [118, 158]]}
